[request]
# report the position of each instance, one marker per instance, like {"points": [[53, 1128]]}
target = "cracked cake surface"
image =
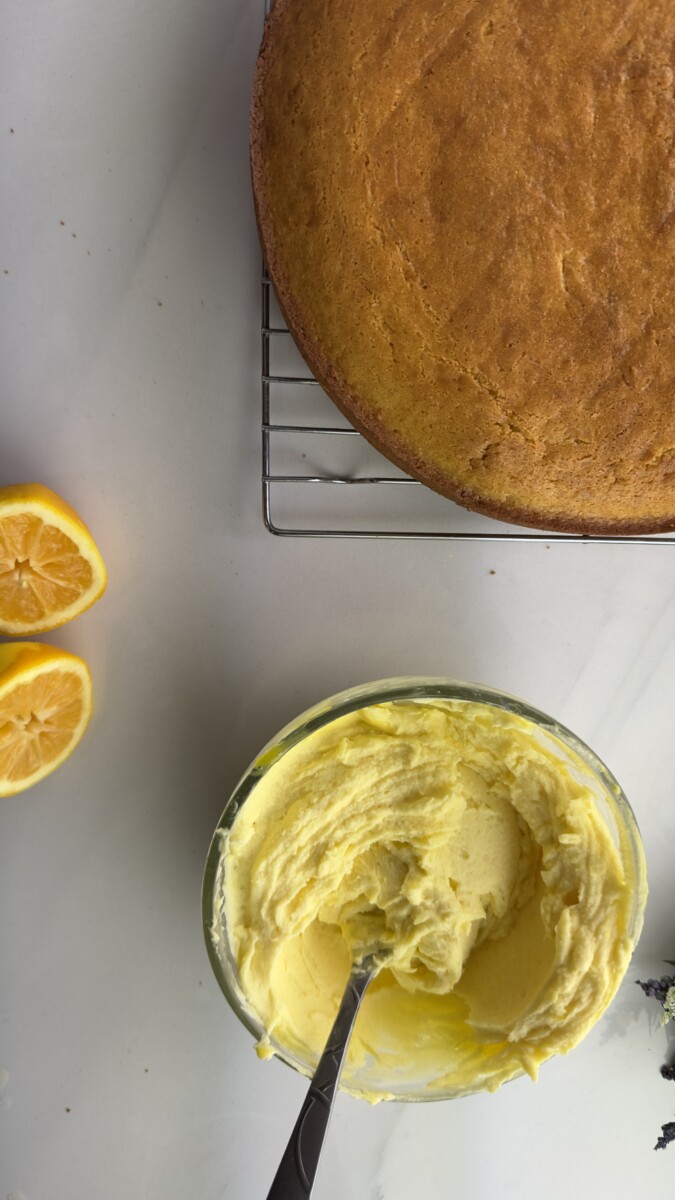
{"points": [[468, 214]]}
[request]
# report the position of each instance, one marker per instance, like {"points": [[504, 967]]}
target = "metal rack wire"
{"points": [[344, 495]]}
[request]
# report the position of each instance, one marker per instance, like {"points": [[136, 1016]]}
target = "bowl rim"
{"points": [[399, 688]]}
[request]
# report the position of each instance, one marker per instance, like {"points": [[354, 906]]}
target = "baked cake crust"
{"points": [[468, 213]]}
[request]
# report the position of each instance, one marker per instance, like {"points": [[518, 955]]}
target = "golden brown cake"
{"points": [[468, 213]]}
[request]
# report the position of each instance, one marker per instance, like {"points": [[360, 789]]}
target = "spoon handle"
{"points": [[295, 1177]]}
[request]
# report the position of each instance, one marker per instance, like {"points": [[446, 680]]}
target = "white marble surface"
{"points": [[129, 365]]}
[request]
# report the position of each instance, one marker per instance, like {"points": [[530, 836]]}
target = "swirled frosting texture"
{"points": [[453, 835]]}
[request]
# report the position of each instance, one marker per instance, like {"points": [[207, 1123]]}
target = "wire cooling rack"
{"points": [[322, 479]]}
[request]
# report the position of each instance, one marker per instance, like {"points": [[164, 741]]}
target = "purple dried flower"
{"points": [[658, 988], [663, 990], [667, 1135]]}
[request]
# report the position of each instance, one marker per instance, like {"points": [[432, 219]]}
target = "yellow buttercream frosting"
{"points": [[468, 844]]}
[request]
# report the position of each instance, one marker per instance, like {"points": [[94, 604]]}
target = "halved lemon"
{"points": [[45, 706], [50, 566]]}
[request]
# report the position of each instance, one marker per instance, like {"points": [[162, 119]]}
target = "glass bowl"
{"points": [[579, 759]]}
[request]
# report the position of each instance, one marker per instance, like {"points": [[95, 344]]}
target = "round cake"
{"points": [[467, 209]]}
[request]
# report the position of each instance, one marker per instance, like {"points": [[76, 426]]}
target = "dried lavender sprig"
{"points": [[663, 990], [667, 1135], [658, 988]]}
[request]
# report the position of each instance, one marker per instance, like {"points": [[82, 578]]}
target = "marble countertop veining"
{"points": [[129, 350]]}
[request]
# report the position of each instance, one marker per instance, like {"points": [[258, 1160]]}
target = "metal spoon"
{"points": [[295, 1177]]}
